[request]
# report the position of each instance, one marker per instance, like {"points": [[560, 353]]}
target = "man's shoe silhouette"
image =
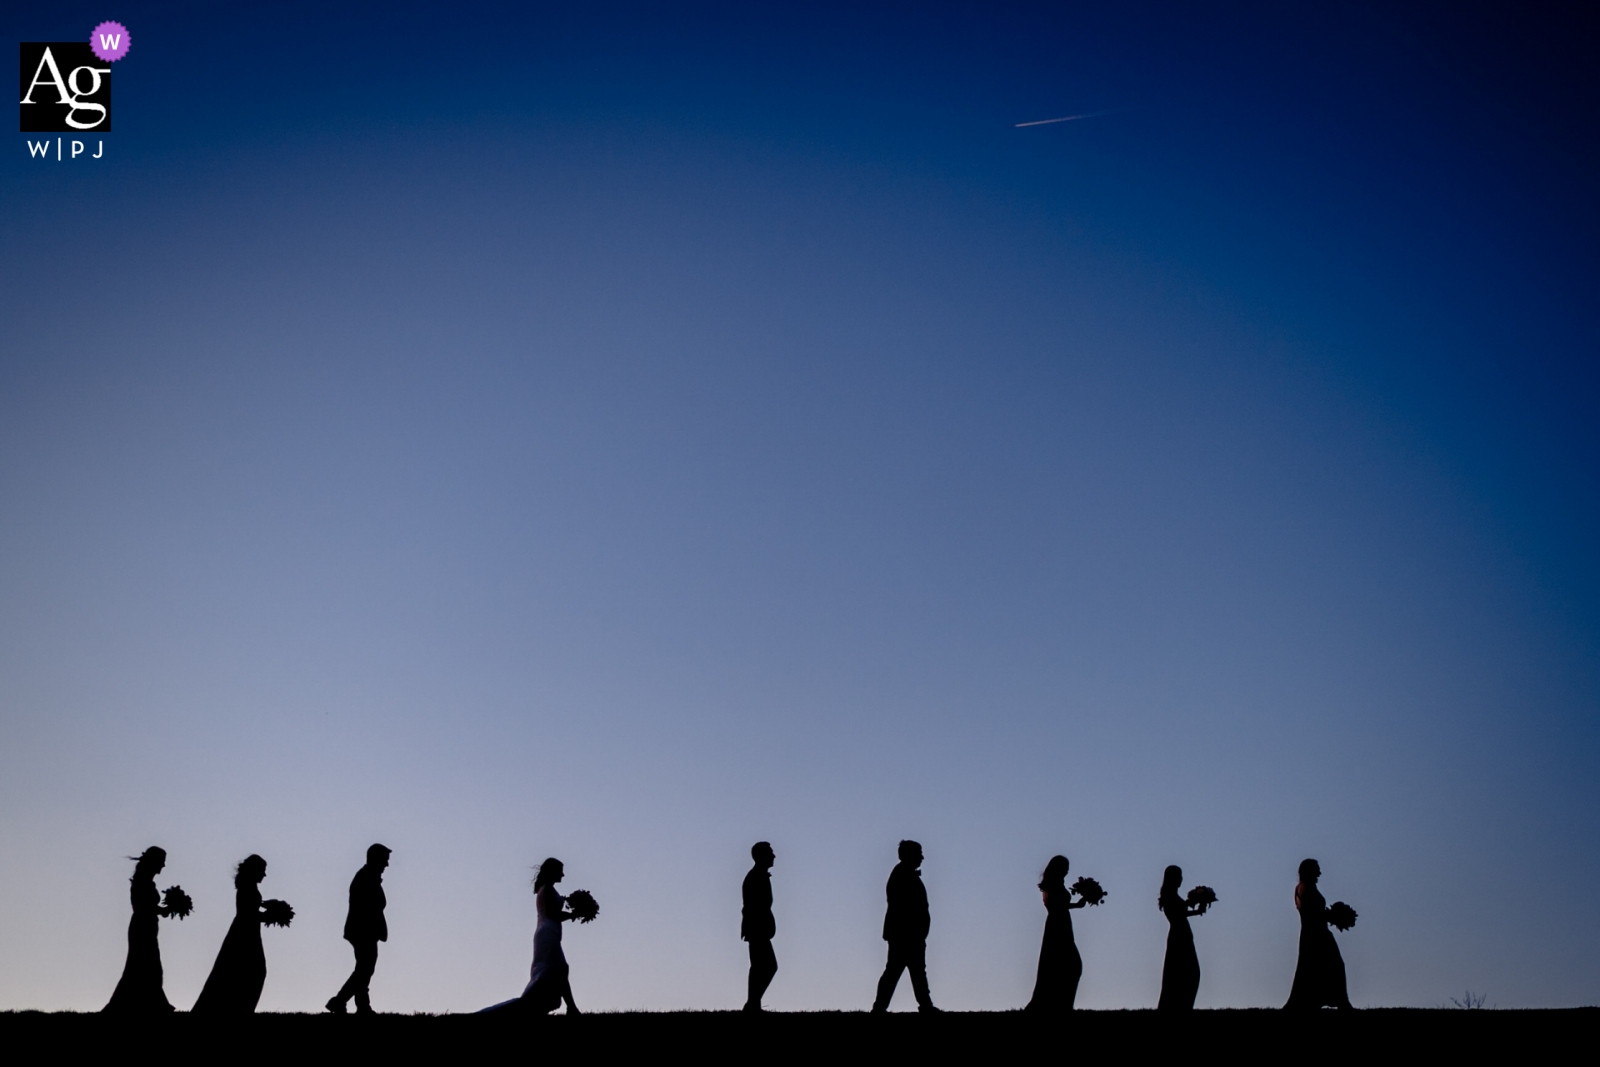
{"points": [[336, 1006], [929, 1008]]}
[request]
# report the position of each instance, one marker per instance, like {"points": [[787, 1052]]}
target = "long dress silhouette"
{"points": [[1180, 974], [139, 991], [549, 980], [549, 977], [1319, 976], [234, 985], [1060, 966]]}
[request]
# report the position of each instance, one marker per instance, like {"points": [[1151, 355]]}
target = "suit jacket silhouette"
{"points": [[365, 922], [907, 918], [757, 922]]}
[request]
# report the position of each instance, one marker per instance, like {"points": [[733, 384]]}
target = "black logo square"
{"points": [[66, 88]]}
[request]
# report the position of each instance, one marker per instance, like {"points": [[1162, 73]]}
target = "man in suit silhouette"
{"points": [[364, 927], [905, 927], [758, 925]]}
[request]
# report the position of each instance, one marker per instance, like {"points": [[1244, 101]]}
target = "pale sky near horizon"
{"points": [[626, 434]]}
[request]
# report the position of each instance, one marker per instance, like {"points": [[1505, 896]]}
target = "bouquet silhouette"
{"points": [[583, 905], [1089, 890], [177, 902], [1341, 915], [1201, 897], [276, 913]]}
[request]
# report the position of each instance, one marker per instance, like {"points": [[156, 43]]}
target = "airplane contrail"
{"points": [[1064, 118]]}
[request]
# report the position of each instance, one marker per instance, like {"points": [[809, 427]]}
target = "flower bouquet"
{"points": [[1201, 897], [584, 906], [1341, 915], [177, 902], [1089, 890], [276, 913]]}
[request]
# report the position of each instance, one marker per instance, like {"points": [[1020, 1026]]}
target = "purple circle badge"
{"points": [[110, 41]]}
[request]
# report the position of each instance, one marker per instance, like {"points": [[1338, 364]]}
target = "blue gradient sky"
{"points": [[626, 433]]}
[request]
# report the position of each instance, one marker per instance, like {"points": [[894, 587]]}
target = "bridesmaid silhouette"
{"points": [[139, 991], [1319, 976], [234, 986], [1060, 966], [1180, 975]]}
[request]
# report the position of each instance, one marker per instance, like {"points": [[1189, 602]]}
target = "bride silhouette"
{"points": [[1319, 975], [548, 983], [139, 991], [234, 986]]}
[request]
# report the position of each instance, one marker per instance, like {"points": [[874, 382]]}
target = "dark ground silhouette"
{"points": [[139, 992], [757, 924], [905, 927], [1055, 988], [1245, 1037], [234, 985], [364, 927], [1319, 974]]}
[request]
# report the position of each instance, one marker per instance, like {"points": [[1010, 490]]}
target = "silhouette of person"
{"points": [[139, 990], [1180, 974], [905, 927], [548, 980], [1319, 975], [364, 927], [234, 985], [1055, 988], [757, 924]]}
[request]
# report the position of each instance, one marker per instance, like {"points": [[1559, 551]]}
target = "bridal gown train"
{"points": [[547, 978]]}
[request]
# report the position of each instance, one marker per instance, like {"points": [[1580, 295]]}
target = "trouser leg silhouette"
{"points": [[905, 956], [763, 965], [361, 978]]}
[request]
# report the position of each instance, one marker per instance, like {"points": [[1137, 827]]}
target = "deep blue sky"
{"points": [[627, 433]]}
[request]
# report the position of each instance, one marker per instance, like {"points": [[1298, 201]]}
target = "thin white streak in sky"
{"points": [[1064, 118]]}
